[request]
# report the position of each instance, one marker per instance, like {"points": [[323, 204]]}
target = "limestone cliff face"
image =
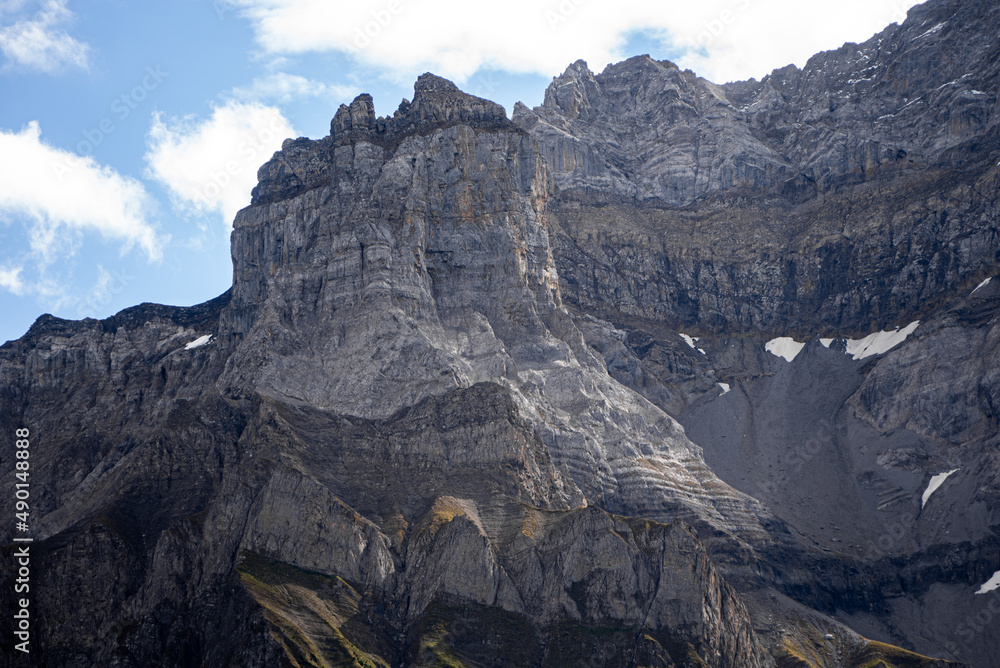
{"points": [[393, 398], [425, 268], [437, 418], [851, 194]]}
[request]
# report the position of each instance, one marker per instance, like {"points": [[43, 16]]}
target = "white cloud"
{"points": [[41, 43], [62, 196], [753, 39], [284, 87], [720, 39], [211, 165], [10, 279]]}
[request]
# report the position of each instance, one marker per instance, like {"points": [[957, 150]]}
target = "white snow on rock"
{"points": [[981, 285], [879, 342], [931, 31], [725, 388], [691, 340], [825, 342], [199, 342], [991, 584], [784, 346], [933, 485]]}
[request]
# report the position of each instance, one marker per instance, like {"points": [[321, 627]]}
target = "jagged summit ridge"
{"points": [[426, 268], [803, 203], [437, 103], [449, 380], [303, 164], [644, 132]]}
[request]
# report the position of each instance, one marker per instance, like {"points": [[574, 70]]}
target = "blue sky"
{"points": [[131, 132]]}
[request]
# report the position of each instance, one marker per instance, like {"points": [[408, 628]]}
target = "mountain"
{"points": [[659, 373]]}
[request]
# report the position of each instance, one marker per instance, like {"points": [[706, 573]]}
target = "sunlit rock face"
{"points": [[840, 198], [615, 381]]}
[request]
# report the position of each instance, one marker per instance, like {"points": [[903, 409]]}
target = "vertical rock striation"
{"points": [[433, 421], [850, 195]]}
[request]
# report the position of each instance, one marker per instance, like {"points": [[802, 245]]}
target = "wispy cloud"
{"points": [[282, 87], [41, 42], [61, 196], [210, 165], [724, 39]]}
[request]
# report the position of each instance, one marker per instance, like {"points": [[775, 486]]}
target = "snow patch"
{"points": [[825, 342], [689, 339], [784, 346], [981, 285], [932, 486], [702, 351], [879, 342], [931, 31], [991, 584], [725, 388], [199, 342]]}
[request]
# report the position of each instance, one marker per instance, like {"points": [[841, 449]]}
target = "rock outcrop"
{"points": [[437, 418], [848, 196]]}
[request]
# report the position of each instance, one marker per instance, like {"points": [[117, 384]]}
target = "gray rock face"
{"points": [[410, 408], [371, 299], [912, 96], [671, 139], [846, 196], [644, 132], [437, 103], [436, 422], [847, 453]]}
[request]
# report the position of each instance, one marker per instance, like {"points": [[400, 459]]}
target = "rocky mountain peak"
{"points": [[551, 390], [437, 103], [429, 82], [641, 64], [572, 91], [303, 164], [358, 118]]}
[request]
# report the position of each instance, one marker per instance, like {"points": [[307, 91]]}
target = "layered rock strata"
{"points": [[435, 420]]}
